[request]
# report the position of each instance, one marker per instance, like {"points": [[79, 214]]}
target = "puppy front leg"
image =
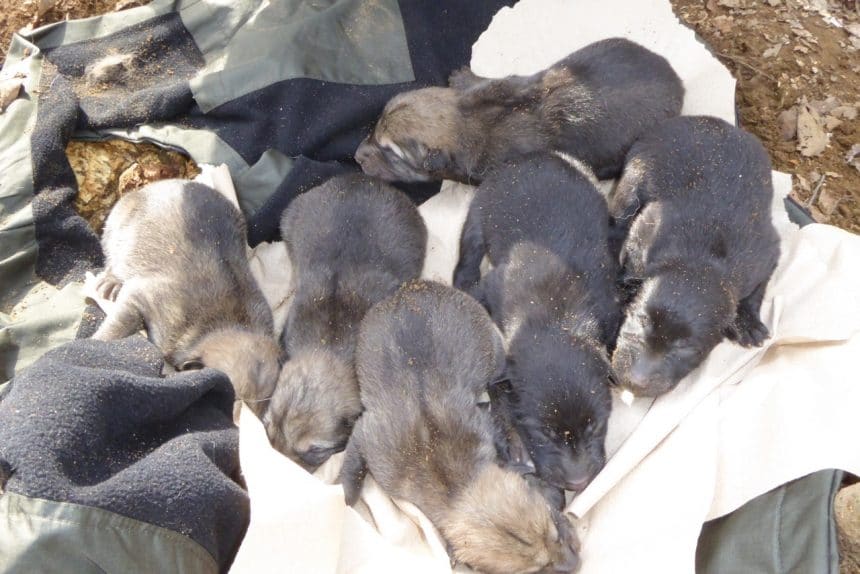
{"points": [[468, 271], [747, 329], [125, 320]]}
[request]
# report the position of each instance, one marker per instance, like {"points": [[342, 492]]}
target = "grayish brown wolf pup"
{"points": [[177, 264], [700, 251], [424, 358], [352, 242], [593, 105]]}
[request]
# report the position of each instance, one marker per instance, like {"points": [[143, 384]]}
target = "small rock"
{"points": [[854, 29], [9, 91], [788, 123], [844, 112], [827, 201], [831, 123], [731, 3], [853, 156], [846, 507], [825, 106], [774, 2]]}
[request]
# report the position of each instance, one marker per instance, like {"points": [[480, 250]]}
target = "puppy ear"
{"points": [[437, 161], [505, 92], [463, 78]]}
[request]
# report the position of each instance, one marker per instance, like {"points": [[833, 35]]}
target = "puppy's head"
{"points": [[251, 361], [499, 524], [561, 401], [676, 319], [417, 138], [313, 409]]}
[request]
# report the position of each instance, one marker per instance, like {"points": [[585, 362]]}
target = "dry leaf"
{"points": [[772, 51], [44, 6], [812, 139], [9, 91]]}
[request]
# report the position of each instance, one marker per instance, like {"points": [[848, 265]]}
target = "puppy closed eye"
{"points": [[190, 365]]}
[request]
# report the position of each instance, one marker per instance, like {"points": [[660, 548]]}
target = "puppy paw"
{"points": [[747, 330], [108, 286]]}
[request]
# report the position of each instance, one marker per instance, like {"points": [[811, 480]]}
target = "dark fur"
{"points": [[424, 358], [352, 242], [177, 264], [544, 227], [700, 251], [593, 104]]}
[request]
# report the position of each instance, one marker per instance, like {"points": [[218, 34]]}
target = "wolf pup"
{"points": [[700, 250], [352, 242], [544, 227], [424, 357], [177, 264], [593, 105]]}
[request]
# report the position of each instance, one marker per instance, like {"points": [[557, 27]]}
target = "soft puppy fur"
{"points": [[593, 104], [352, 242], [544, 227], [696, 196], [424, 358], [177, 264]]}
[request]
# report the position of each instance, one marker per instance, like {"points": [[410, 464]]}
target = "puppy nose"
{"points": [[576, 484], [639, 377], [315, 456], [362, 153]]}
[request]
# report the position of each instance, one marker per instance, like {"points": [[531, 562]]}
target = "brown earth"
{"points": [[788, 52]]}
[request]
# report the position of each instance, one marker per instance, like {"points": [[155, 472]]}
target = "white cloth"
{"points": [[743, 423]]}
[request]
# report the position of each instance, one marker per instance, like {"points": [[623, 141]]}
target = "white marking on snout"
{"points": [[627, 397], [389, 144]]}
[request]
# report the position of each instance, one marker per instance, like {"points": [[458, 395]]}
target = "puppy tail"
{"points": [[352, 472]]}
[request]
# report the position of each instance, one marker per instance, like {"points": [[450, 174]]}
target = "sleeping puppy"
{"points": [[352, 242], [558, 366], [543, 226], [593, 104], [177, 264], [700, 250], [424, 357]]}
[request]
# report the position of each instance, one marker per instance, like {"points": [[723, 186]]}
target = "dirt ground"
{"points": [[797, 64]]}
